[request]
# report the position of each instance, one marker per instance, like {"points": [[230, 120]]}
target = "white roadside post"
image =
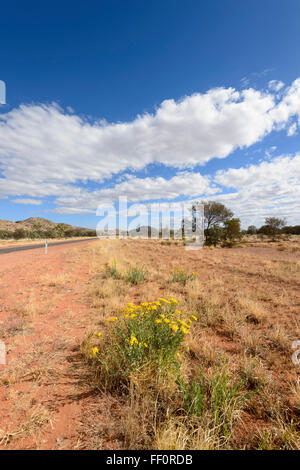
{"points": [[2, 353], [46, 247]]}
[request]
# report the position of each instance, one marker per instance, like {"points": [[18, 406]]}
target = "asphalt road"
{"points": [[41, 245]]}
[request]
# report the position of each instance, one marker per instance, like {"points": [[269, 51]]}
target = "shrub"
{"points": [[214, 235], [5, 234], [252, 230], [273, 227], [110, 270], [232, 230], [179, 275], [151, 332], [135, 275], [20, 233]]}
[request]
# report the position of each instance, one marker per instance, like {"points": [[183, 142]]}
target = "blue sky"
{"points": [[157, 101]]}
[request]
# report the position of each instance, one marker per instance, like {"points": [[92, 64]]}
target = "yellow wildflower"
{"points": [[132, 340], [184, 324], [94, 351], [112, 319]]}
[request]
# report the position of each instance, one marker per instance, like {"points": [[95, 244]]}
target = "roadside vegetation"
{"points": [[206, 363], [152, 346]]}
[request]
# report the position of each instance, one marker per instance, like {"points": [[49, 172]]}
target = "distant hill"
{"points": [[37, 227], [29, 224]]}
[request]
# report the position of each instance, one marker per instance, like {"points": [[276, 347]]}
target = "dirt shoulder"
{"points": [[43, 315]]}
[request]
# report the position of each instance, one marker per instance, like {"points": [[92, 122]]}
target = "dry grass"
{"points": [[13, 326], [234, 300], [247, 303], [55, 280], [32, 426]]}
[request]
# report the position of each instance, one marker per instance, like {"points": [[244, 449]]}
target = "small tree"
{"points": [[232, 230], [214, 235], [252, 230], [273, 226], [215, 213], [20, 233]]}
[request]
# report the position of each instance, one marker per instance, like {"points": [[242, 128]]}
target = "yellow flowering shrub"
{"points": [[151, 331]]}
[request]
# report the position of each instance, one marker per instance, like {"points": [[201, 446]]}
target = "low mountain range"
{"points": [[36, 227]]}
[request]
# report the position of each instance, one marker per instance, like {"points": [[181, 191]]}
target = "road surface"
{"points": [[42, 245]]}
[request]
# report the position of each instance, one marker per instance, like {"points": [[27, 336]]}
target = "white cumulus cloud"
{"points": [[275, 85], [45, 151], [140, 189], [32, 202], [268, 189]]}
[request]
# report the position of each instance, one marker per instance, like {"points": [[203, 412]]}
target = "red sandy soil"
{"points": [[56, 389]]}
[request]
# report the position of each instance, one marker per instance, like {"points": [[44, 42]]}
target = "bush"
{"points": [[232, 230], [273, 227], [135, 275], [252, 230], [111, 270], [20, 233], [5, 234], [214, 235], [291, 230], [151, 332]]}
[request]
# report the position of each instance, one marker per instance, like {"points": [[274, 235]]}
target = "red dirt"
{"points": [[58, 391]]}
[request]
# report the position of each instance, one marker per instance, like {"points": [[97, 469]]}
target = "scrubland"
{"points": [[141, 344]]}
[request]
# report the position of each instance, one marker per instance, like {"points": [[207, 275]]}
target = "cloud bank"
{"points": [[45, 151]]}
